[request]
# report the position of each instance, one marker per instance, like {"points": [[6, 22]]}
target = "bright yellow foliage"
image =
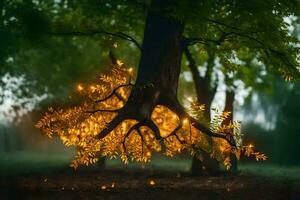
{"points": [[79, 125]]}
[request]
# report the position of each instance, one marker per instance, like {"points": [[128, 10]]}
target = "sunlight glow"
{"points": [[79, 87]]}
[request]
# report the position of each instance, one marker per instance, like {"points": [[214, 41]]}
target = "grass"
{"points": [[14, 164], [272, 171]]}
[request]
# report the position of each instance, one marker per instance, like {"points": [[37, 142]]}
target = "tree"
{"points": [[242, 65], [151, 101], [287, 129]]}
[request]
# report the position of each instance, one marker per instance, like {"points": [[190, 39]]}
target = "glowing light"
{"points": [[113, 185], [103, 187], [152, 182], [190, 99], [124, 125], [185, 121], [79, 87], [93, 88], [174, 116], [130, 70], [119, 62], [222, 149], [251, 146]]}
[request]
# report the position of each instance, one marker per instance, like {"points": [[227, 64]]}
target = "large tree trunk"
{"points": [[159, 69], [160, 61]]}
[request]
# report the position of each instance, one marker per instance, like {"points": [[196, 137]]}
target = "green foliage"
{"points": [[250, 38], [58, 62], [277, 133], [287, 128]]}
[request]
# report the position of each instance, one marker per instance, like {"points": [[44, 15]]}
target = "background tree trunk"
{"points": [[101, 163], [205, 95], [229, 108]]}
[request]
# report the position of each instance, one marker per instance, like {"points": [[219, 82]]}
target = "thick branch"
{"points": [[179, 110], [193, 67], [111, 125], [204, 90], [113, 92]]}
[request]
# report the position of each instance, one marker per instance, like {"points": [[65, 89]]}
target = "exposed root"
{"points": [[127, 112]]}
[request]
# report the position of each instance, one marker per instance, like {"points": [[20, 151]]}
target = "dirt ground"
{"points": [[144, 184]]}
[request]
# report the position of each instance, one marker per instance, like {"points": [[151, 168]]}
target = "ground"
{"points": [[47, 177]]}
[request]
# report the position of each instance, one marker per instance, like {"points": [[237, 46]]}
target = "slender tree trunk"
{"points": [[207, 166], [229, 108]]}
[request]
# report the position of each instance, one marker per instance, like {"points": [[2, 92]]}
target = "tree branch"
{"points": [[111, 125], [120, 35], [221, 23], [202, 84], [134, 127], [193, 67], [102, 110], [113, 92], [193, 41], [179, 110]]}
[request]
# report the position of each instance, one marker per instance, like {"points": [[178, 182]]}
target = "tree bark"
{"points": [[161, 52], [159, 69]]}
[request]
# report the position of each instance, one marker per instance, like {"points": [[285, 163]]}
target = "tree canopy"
{"points": [[248, 39]]}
